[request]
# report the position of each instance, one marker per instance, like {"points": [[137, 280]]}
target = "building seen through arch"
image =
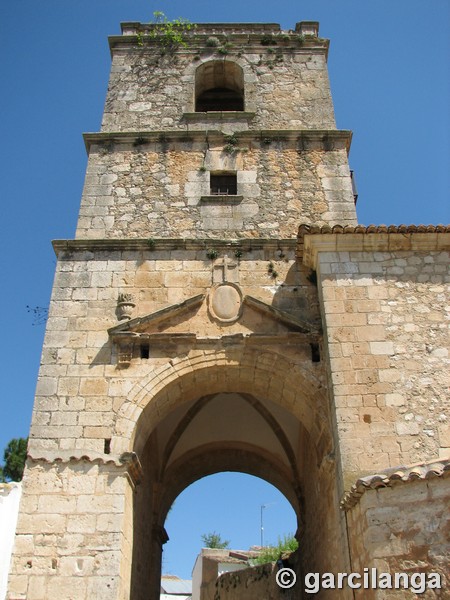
{"points": [[221, 309]]}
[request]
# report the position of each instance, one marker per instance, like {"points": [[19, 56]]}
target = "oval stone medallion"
{"points": [[225, 302]]}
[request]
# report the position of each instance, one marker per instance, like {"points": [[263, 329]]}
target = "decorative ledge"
{"points": [[133, 27], [129, 460], [304, 139], [221, 115], [392, 477], [307, 229], [167, 245], [134, 467], [313, 239], [222, 199]]}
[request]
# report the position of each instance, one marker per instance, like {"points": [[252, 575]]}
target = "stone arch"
{"points": [[212, 459], [246, 77], [282, 434], [219, 86], [264, 373]]}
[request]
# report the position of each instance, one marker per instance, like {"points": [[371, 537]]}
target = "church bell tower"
{"points": [[184, 336]]}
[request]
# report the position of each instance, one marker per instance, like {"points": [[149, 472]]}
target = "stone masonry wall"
{"points": [[253, 583], [402, 529], [152, 90], [259, 582], [69, 539], [80, 388], [162, 189], [75, 530], [386, 318]]}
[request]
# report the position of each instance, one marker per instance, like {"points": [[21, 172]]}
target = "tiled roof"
{"points": [[305, 229], [395, 476]]}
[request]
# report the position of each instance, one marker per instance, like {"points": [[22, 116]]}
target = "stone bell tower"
{"points": [[186, 331]]}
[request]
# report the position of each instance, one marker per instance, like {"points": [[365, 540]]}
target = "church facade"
{"points": [[220, 309]]}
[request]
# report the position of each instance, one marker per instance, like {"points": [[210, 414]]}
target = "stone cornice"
{"points": [[305, 36], [223, 115], [131, 27], [393, 477], [128, 461], [167, 245], [314, 239], [327, 139]]}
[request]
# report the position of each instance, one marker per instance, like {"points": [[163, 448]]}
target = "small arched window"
{"points": [[219, 86]]}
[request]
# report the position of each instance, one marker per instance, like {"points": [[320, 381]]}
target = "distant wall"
{"points": [[253, 583], [259, 582], [9, 508]]}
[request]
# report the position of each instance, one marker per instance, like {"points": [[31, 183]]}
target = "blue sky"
{"points": [[390, 81]]}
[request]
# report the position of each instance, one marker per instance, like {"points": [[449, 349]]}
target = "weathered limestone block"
{"points": [[69, 534], [278, 185], [401, 528], [388, 358]]}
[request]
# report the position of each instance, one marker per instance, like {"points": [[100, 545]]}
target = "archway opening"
{"points": [[219, 86], [242, 509], [261, 415]]}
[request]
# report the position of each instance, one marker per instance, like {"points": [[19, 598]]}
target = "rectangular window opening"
{"points": [[315, 352], [145, 351], [107, 446], [223, 184]]}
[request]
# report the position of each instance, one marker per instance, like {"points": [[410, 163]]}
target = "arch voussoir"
{"points": [[264, 373]]}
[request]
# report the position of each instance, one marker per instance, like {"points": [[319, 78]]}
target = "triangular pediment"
{"points": [[193, 319], [159, 320]]}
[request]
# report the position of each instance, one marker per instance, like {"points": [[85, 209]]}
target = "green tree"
{"points": [[14, 459], [214, 540]]}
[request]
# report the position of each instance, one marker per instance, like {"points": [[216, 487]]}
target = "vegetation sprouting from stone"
{"points": [[271, 270], [268, 40], [285, 545], [169, 33], [231, 143], [212, 42]]}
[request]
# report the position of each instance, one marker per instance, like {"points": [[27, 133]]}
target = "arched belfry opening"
{"points": [[229, 418], [219, 86]]}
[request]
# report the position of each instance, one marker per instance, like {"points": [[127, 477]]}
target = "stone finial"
{"points": [[307, 28], [125, 306]]}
